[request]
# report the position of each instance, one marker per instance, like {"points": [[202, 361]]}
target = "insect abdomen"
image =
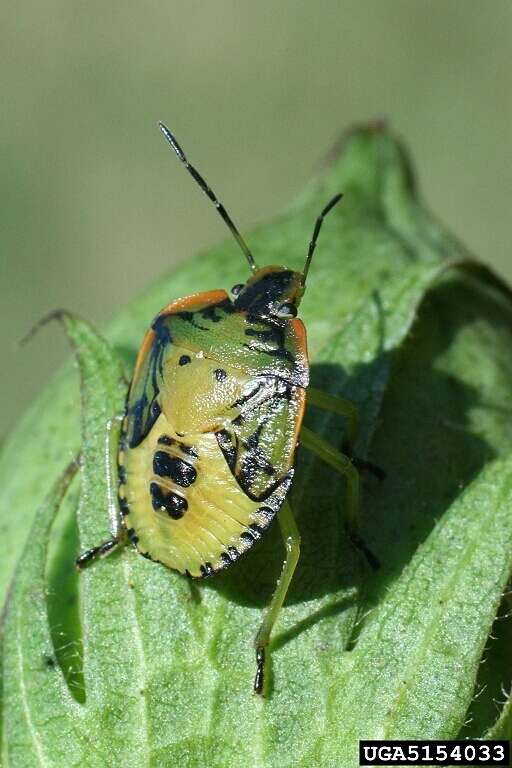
{"points": [[182, 505]]}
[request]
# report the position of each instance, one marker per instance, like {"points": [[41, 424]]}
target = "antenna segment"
{"points": [[316, 232], [210, 193]]}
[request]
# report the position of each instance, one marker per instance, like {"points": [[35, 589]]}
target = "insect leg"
{"points": [[338, 405], [343, 407], [116, 525], [112, 436], [291, 538], [102, 550], [344, 465]]}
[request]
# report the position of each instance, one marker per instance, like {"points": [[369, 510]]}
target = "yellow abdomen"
{"points": [[183, 507]]}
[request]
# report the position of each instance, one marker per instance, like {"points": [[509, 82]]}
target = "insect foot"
{"points": [[259, 678], [102, 550]]}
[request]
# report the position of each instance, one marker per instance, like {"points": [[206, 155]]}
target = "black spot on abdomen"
{"points": [[178, 470], [220, 374], [207, 570], [188, 449], [167, 501]]}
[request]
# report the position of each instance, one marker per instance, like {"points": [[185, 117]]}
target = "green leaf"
{"points": [[503, 726], [416, 659], [166, 666], [39, 718]]}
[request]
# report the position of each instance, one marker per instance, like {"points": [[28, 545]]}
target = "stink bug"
{"points": [[212, 423]]}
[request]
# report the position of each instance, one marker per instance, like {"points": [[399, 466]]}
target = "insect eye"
{"points": [[287, 310], [236, 289]]}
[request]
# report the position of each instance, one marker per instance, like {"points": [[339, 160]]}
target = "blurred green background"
{"points": [[94, 205]]}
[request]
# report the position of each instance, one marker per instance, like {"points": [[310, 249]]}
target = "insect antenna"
{"points": [[210, 193], [316, 232]]}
